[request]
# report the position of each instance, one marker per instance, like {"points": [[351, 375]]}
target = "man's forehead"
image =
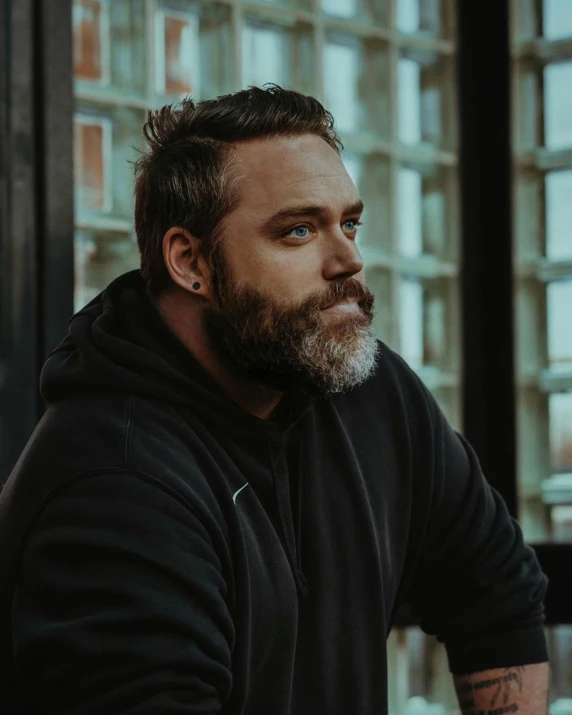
{"points": [[305, 156], [299, 166]]}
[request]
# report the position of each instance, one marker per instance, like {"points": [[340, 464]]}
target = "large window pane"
{"points": [[410, 212], [559, 306], [379, 281], [265, 53], [341, 8], [561, 432], [557, 19], [426, 325], [411, 322], [424, 99], [92, 163], [420, 16], [274, 53], [361, 10], [100, 256], [177, 53], [559, 215], [426, 212], [356, 83], [91, 37], [558, 105]]}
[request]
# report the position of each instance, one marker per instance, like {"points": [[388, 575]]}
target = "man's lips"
{"points": [[343, 305]]}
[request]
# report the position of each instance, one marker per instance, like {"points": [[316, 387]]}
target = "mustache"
{"points": [[349, 288]]}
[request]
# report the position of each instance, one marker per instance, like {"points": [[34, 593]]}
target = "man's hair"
{"points": [[185, 176]]}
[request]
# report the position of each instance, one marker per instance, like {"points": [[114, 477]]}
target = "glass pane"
{"points": [[423, 82], [561, 523], [194, 50], [109, 43], [419, 679], [88, 34], [559, 215], [427, 336], [409, 101], [439, 345], [100, 257], [265, 56], [410, 212], [341, 76], [558, 105], [104, 147], [559, 307], [560, 407], [425, 16], [340, 8], [375, 234], [92, 158], [217, 51], [559, 639], [425, 212], [128, 54], [411, 322], [379, 282], [356, 84], [177, 68], [557, 19], [372, 10]]}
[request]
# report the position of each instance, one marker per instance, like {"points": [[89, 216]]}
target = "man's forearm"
{"points": [[522, 689]]}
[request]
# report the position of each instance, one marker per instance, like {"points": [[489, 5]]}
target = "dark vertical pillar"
{"points": [[36, 206], [18, 231], [55, 136], [486, 268]]}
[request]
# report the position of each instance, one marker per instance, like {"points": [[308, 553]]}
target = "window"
{"points": [[542, 46], [542, 145]]}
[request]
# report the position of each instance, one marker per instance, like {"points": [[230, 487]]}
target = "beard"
{"points": [[295, 348]]}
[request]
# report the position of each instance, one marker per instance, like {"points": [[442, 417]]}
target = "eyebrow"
{"points": [[294, 212]]}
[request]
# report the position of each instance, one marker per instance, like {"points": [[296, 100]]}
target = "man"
{"points": [[235, 485]]}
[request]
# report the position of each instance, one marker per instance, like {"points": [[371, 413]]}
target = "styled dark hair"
{"points": [[185, 176]]}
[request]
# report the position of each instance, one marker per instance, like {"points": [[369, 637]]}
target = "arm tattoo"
{"points": [[499, 690]]}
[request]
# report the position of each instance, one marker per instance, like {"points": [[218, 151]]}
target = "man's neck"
{"points": [[183, 316]]}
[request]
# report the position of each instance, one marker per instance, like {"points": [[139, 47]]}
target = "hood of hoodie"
{"points": [[119, 343]]}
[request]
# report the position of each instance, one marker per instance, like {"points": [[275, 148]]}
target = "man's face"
{"points": [[289, 253]]}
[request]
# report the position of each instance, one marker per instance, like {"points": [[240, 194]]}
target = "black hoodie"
{"points": [[164, 552]]}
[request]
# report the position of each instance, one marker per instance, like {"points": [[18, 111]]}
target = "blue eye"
{"points": [[298, 228], [303, 227]]}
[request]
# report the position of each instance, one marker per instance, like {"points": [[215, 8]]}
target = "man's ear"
{"points": [[184, 261]]}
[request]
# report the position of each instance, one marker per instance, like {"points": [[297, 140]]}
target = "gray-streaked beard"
{"points": [[294, 350], [338, 366]]}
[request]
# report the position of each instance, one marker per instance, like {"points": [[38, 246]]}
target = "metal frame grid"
{"points": [[539, 490]]}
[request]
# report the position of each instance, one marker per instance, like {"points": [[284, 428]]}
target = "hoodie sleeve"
{"points": [[476, 584], [120, 604]]}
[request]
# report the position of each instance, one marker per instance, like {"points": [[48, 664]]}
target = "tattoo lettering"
{"points": [[510, 675], [501, 688]]}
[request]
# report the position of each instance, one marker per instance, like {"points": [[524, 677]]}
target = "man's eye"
{"points": [[299, 228], [355, 222], [303, 227]]}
